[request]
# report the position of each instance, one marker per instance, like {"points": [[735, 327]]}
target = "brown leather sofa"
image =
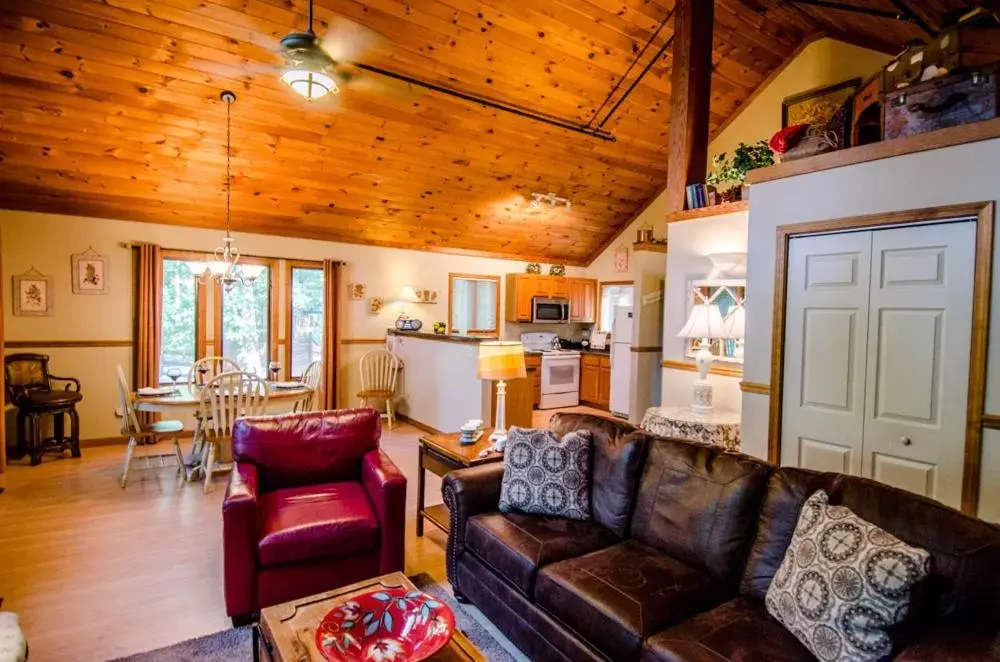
{"points": [[684, 542]]}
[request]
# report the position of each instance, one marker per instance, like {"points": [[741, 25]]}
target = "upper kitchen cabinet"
{"points": [[522, 288]]}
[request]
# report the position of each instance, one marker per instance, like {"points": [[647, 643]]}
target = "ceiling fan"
{"points": [[316, 66]]}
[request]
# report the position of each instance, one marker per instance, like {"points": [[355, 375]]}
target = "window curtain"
{"points": [[148, 316], [331, 337]]}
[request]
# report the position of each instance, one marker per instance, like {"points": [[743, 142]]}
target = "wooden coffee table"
{"points": [[439, 454], [287, 632]]}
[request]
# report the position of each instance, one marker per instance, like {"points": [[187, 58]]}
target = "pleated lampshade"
{"points": [[501, 360]]}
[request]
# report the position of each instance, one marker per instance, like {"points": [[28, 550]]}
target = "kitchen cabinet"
{"points": [[522, 288], [590, 368], [582, 300], [604, 383], [533, 366]]}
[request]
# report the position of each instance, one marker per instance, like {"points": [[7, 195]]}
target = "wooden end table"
{"points": [[287, 632], [439, 454]]}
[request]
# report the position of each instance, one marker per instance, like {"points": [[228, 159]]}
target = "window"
{"points": [[246, 320], [474, 304], [613, 294], [304, 329], [179, 328]]}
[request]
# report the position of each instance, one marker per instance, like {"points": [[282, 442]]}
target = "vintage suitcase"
{"points": [[937, 104], [866, 116], [964, 47]]}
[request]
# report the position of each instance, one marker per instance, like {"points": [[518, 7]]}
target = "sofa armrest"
{"points": [[955, 641], [468, 492], [239, 540], [386, 487]]}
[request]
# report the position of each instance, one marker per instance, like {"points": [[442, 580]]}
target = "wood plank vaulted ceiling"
{"points": [[110, 108]]}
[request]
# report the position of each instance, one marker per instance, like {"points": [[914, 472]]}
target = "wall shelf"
{"points": [[705, 212], [652, 246]]}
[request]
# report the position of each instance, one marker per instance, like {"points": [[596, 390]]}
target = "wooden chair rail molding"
{"points": [[362, 341], [755, 388], [958, 135], [721, 370], [26, 344], [991, 421]]}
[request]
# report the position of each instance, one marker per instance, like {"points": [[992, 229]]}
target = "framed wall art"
{"points": [[89, 272], [32, 294], [817, 106], [357, 291]]}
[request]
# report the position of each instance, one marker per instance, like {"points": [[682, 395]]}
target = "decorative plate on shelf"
{"points": [[391, 624]]}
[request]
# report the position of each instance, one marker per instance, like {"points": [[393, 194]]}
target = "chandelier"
{"points": [[225, 268]]}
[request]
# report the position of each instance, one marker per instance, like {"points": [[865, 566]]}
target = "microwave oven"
{"points": [[549, 311]]}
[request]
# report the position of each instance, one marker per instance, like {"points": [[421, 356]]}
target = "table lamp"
{"points": [[736, 324], [501, 361], [704, 323]]}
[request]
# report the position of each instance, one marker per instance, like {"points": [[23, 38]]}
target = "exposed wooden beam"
{"points": [[691, 83]]}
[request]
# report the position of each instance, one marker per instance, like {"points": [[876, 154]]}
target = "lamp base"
{"points": [[702, 402]]}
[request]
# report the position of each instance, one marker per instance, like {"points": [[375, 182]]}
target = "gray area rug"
{"points": [[236, 644]]}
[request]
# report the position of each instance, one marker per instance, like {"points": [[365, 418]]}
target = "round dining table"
{"points": [[187, 398]]}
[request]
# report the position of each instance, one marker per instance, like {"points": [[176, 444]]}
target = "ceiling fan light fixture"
{"points": [[308, 83]]}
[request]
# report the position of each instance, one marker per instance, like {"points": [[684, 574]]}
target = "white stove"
{"points": [[560, 370]]}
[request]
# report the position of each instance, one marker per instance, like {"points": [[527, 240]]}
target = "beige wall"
{"points": [[46, 242], [821, 63]]}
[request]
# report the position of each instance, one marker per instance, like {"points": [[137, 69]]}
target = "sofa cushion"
{"points": [[517, 545], [737, 630], [315, 522], [546, 475], [700, 505], [616, 460], [965, 551], [844, 583], [616, 597]]}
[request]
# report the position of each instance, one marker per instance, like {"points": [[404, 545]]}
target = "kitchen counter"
{"points": [[448, 337], [596, 352]]}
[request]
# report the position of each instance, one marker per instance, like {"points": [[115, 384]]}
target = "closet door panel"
{"points": [[920, 326], [826, 319]]}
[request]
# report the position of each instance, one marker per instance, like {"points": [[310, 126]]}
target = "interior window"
{"points": [[474, 304], [246, 315], [305, 330], [179, 327], [612, 296]]}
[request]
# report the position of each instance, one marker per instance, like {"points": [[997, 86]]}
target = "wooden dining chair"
{"points": [[224, 399], [379, 368], [145, 434], [311, 377], [205, 369]]}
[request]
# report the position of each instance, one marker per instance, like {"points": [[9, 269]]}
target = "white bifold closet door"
{"points": [[877, 338]]}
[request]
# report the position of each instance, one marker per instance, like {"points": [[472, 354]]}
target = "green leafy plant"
{"points": [[745, 158]]}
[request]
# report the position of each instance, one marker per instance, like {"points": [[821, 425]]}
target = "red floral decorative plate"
{"points": [[386, 625]]}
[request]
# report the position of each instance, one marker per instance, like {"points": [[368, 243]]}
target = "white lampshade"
{"points": [[705, 322], [408, 294], [197, 268], [218, 267], [252, 270], [310, 84], [736, 323]]}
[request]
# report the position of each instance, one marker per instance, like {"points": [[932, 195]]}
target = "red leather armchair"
{"points": [[312, 504]]}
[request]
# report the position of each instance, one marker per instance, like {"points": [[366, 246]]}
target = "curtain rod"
{"points": [[136, 244]]}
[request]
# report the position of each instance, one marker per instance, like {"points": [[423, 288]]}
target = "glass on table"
{"points": [[275, 368], [174, 373]]}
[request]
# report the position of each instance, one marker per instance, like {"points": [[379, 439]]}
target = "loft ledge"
{"points": [[950, 137]]}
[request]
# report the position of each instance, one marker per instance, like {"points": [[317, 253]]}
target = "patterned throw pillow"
{"points": [[843, 583], [545, 475]]}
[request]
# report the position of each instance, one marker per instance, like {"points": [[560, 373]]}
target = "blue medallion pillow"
{"points": [[546, 475]]}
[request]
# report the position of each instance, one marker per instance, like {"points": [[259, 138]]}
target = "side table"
{"points": [[718, 427], [439, 454]]}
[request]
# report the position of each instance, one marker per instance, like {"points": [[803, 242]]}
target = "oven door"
{"points": [[549, 310], [560, 375]]}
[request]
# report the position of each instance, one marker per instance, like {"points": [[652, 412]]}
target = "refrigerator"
{"points": [[621, 361]]}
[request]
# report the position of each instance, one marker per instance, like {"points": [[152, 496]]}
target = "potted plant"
{"points": [[734, 171]]}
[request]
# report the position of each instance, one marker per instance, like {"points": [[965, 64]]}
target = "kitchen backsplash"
{"points": [[513, 330]]}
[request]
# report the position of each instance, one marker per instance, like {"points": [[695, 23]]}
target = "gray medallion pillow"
{"points": [[844, 583], [546, 475]]}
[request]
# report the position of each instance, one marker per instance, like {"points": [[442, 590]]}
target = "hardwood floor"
{"points": [[96, 572]]}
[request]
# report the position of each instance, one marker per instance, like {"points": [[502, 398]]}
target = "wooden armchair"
{"points": [[33, 390]]}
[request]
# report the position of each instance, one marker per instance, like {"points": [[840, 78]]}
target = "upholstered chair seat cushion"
{"points": [[617, 597], [737, 630], [315, 522], [516, 545]]}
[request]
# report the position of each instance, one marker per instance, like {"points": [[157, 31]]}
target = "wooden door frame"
{"points": [[290, 267], [984, 215]]}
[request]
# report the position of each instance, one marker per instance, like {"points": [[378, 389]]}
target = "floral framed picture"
{"points": [[90, 272], [32, 294]]}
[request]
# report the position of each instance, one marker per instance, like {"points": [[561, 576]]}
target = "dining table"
{"points": [[186, 398]]}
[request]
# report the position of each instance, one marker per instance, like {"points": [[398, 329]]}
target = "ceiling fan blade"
{"points": [[359, 81], [347, 41]]}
